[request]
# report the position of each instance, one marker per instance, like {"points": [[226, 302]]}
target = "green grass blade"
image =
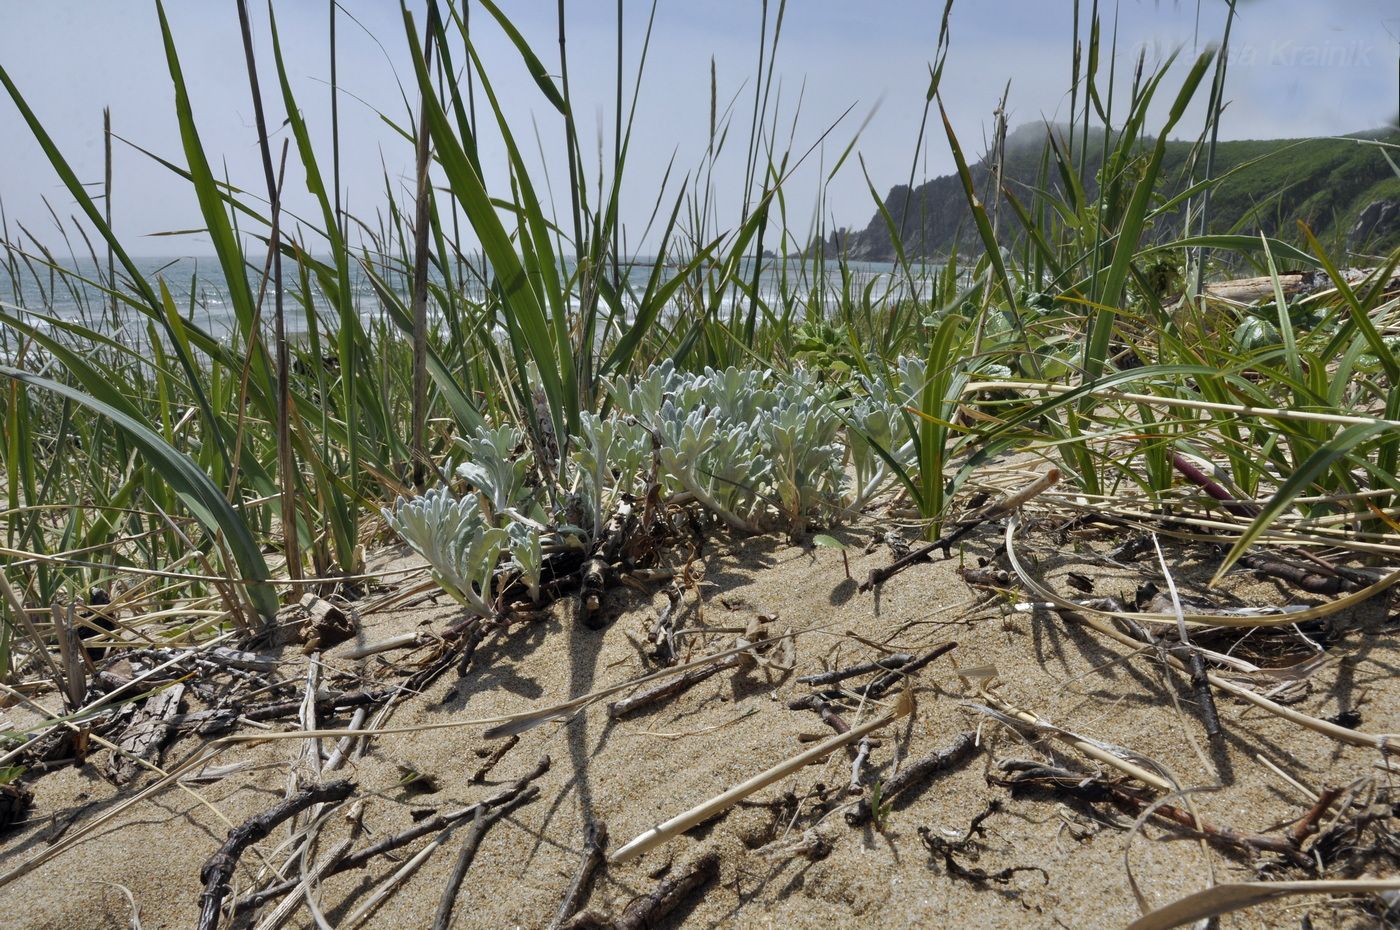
{"points": [[1298, 482], [203, 498]]}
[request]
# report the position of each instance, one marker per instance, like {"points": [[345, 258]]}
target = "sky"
{"points": [[844, 70]]}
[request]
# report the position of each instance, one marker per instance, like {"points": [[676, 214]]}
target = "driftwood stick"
{"points": [[410, 640], [957, 752], [595, 844], [1205, 699], [1313, 580], [885, 573], [831, 718], [663, 631], [648, 911], [995, 512], [892, 678], [851, 671], [433, 824], [492, 758], [443, 918], [671, 686], [858, 766], [875, 689], [1307, 824], [342, 748], [481, 822], [219, 868], [389, 886]]}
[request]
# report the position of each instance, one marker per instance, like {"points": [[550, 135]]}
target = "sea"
{"points": [[43, 292]]}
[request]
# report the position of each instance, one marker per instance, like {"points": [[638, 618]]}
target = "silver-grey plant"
{"points": [[745, 444], [455, 540]]}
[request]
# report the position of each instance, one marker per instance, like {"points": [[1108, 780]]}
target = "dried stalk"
{"points": [[723, 802], [665, 689], [647, 912], [290, 904]]}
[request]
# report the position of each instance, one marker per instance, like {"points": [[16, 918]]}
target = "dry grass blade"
{"points": [[1288, 618], [723, 802], [1341, 734], [1244, 410], [1092, 749], [1222, 899]]}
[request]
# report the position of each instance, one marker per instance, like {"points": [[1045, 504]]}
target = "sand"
{"points": [[633, 773]]}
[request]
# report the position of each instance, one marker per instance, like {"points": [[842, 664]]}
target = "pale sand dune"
{"points": [[634, 773]]}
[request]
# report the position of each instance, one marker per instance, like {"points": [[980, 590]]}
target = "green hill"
{"points": [[1343, 188]]}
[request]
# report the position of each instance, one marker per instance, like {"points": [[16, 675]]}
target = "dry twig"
{"points": [[647, 911], [433, 824], [481, 822], [219, 868], [595, 844], [954, 754]]}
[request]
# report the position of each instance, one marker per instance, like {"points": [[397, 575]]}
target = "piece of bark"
{"points": [[147, 734], [219, 868], [326, 625], [590, 595], [15, 801], [239, 659]]}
